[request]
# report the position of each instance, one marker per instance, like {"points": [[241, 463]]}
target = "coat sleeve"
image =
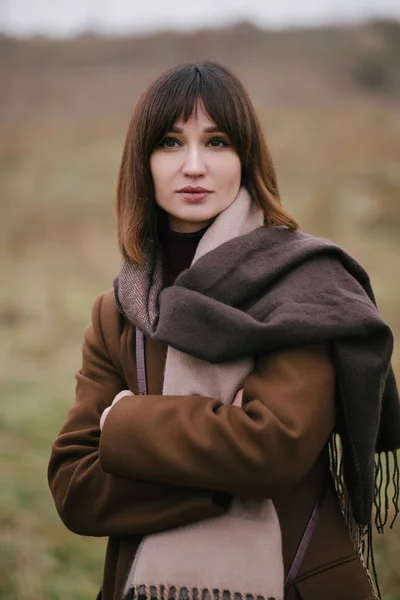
{"points": [[257, 451], [93, 502]]}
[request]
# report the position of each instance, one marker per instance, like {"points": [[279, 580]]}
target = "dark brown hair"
{"points": [[176, 94]]}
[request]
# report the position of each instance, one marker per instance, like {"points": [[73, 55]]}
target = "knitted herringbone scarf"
{"points": [[240, 552]]}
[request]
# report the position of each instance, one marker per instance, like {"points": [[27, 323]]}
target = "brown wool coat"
{"points": [[187, 449]]}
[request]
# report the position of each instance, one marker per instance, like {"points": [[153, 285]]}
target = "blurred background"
{"points": [[325, 78]]}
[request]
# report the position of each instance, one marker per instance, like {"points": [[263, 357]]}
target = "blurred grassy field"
{"points": [[329, 101]]}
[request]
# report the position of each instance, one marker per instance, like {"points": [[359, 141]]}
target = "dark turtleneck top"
{"points": [[178, 251]]}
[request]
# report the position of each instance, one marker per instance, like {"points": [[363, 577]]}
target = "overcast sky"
{"points": [[69, 17]]}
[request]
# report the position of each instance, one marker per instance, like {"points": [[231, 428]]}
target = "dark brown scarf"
{"points": [[275, 288]]}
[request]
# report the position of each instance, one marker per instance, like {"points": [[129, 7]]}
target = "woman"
{"points": [[211, 461]]}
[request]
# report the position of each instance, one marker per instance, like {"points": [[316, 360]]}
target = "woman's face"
{"points": [[196, 173]]}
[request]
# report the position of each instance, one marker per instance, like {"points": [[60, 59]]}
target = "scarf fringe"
{"points": [[387, 475], [171, 592]]}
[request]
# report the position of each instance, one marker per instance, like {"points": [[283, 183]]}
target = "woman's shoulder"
{"points": [[104, 311], [291, 248], [107, 321], [296, 239]]}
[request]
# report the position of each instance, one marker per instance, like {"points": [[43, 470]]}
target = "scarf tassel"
{"points": [[386, 493], [171, 592]]}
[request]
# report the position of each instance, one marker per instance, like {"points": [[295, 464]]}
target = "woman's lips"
{"points": [[194, 196]]}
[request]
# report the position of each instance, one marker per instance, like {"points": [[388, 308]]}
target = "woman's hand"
{"points": [[238, 399], [117, 397]]}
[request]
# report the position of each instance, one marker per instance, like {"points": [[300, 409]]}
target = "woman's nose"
{"points": [[194, 165]]}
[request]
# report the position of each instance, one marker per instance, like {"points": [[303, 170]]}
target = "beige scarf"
{"points": [[240, 552]]}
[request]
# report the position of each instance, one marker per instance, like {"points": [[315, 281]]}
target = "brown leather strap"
{"points": [[306, 538], [313, 520]]}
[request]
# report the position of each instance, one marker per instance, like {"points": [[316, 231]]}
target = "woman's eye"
{"points": [[218, 142], [169, 143]]}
